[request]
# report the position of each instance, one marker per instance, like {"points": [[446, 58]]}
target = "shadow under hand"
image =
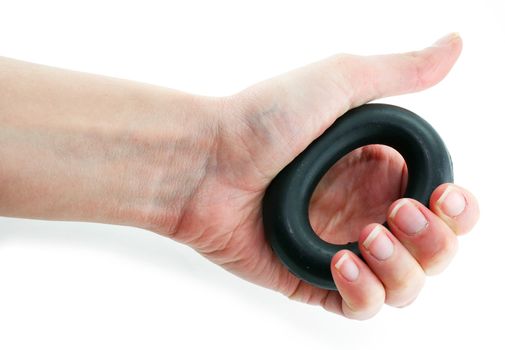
{"points": [[162, 253]]}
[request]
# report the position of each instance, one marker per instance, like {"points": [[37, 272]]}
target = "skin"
{"points": [[75, 146]]}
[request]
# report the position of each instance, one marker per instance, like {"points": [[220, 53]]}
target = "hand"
{"points": [[266, 126], [80, 147]]}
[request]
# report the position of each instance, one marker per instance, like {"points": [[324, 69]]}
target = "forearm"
{"points": [[75, 146]]}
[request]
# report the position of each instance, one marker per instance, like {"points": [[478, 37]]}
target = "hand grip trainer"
{"points": [[286, 201]]}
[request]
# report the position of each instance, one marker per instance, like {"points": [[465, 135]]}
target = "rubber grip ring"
{"points": [[286, 200]]}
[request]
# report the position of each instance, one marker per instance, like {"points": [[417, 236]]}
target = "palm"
{"points": [[223, 220], [224, 224]]}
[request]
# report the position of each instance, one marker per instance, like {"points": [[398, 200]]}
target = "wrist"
{"points": [[174, 152]]}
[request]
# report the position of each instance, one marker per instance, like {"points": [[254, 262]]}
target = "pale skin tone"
{"points": [[75, 146]]}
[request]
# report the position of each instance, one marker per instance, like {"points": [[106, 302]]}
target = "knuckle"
{"points": [[405, 289], [365, 307], [423, 67], [361, 314], [441, 257], [406, 303], [344, 59]]}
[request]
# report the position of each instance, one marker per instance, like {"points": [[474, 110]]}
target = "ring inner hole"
{"points": [[356, 191]]}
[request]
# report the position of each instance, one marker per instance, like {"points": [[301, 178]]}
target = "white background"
{"points": [[90, 286]]}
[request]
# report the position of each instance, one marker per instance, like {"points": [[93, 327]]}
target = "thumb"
{"points": [[373, 77], [295, 108]]}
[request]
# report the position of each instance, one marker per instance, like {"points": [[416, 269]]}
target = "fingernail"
{"points": [[408, 218], [446, 40], [379, 244], [451, 202], [347, 268]]}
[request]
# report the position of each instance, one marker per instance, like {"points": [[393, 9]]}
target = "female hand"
{"points": [[264, 127], [75, 146]]}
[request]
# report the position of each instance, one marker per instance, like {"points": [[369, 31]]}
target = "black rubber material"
{"points": [[286, 201]]}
